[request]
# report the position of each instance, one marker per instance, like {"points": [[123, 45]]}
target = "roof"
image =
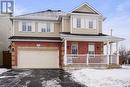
{"points": [[89, 37], [35, 38], [39, 12], [42, 15], [68, 33]]}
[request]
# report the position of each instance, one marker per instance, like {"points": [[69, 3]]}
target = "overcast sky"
{"points": [[117, 12]]}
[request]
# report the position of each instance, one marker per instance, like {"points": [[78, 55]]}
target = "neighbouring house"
{"points": [[127, 60], [6, 11], [5, 27], [55, 39]]}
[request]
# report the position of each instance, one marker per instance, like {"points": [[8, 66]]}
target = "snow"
{"points": [[50, 83], [1, 77], [103, 77], [2, 70]]}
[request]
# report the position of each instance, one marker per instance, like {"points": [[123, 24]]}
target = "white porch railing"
{"points": [[91, 59]]}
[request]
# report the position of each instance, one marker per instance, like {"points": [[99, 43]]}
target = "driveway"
{"points": [[37, 78]]}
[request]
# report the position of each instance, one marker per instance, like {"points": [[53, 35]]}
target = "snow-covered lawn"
{"points": [[2, 70], [103, 77]]}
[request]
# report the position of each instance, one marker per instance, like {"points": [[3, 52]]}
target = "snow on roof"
{"points": [[44, 15]]}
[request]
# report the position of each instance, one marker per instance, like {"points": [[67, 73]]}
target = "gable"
{"points": [[85, 8]]}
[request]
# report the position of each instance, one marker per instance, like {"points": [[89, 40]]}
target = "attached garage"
{"points": [[38, 58]]}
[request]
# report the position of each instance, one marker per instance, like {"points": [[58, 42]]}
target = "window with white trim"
{"points": [[78, 24], [26, 27], [74, 48], [91, 48], [45, 27], [92, 24], [84, 23]]}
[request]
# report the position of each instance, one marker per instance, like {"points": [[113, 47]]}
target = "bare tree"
{"points": [[124, 55]]}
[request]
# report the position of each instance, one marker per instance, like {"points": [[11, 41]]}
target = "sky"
{"points": [[117, 13]]}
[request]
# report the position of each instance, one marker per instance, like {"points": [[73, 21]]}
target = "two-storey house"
{"points": [[55, 39]]}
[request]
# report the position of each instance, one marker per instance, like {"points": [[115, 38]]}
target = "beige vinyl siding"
{"points": [[66, 25], [84, 8], [36, 33], [100, 25]]}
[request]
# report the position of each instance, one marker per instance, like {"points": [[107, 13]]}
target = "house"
{"points": [[5, 27], [55, 39]]}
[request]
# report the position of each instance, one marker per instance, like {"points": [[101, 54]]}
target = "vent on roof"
{"points": [[49, 10], [59, 10]]}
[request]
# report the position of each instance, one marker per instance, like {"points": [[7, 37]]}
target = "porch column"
{"points": [[108, 53], [110, 58], [65, 52], [117, 52]]}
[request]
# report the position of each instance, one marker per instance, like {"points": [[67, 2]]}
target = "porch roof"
{"points": [[98, 38], [30, 38]]}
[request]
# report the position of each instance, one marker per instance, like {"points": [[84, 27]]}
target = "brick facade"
{"points": [[82, 49], [15, 46]]}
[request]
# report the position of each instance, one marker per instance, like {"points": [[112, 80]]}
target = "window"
{"points": [[26, 27], [45, 27], [74, 48], [78, 23], [84, 23], [91, 48], [90, 24], [48, 27]]}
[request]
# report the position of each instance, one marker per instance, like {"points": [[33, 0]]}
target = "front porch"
{"points": [[92, 61], [98, 56]]}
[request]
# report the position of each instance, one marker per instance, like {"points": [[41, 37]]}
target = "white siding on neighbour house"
{"points": [[82, 23], [74, 22]]}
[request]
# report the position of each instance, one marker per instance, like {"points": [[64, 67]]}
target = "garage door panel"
{"points": [[38, 59]]}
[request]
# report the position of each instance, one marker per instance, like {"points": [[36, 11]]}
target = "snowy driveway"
{"points": [[37, 78]]}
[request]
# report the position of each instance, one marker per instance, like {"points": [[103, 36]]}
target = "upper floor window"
{"points": [[90, 24], [78, 22], [84, 23], [45, 27], [26, 26]]}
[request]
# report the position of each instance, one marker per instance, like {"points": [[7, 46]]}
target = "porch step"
{"points": [[90, 66], [112, 66], [84, 66]]}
